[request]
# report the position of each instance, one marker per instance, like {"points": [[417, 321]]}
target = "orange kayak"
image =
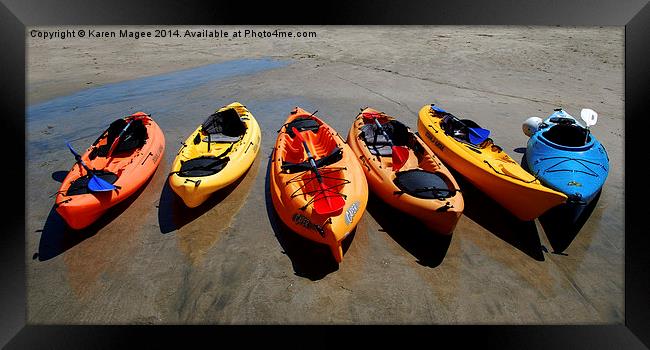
{"points": [[297, 192], [421, 187], [126, 164]]}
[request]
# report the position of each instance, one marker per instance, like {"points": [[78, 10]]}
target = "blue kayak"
{"points": [[565, 156]]}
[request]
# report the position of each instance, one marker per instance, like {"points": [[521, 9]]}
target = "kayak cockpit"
{"points": [[222, 127], [457, 128], [134, 137], [378, 144], [568, 135]]}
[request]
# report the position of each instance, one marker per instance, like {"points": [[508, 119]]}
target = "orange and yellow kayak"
{"points": [[295, 189], [133, 160], [485, 165], [421, 187]]}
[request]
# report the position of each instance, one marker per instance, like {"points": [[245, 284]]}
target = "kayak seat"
{"points": [[423, 184], [458, 128], [333, 157], [80, 185], [377, 142], [226, 122], [570, 135], [202, 166], [221, 138], [302, 124], [134, 137], [321, 143]]}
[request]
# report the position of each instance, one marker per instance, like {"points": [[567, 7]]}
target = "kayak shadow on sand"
{"points": [[173, 214], [309, 259], [59, 176], [57, 237], [490, 215], [561, 224], [429, 248]]}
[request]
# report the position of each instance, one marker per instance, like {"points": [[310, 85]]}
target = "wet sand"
{"points": [[230, 261]]}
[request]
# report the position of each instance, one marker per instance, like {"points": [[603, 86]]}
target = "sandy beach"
{"points": [[152, 261]]}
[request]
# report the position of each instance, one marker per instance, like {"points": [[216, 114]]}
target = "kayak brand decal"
{"points": [[257, 144], [435, 141], [158, 153], [306, 223], [352, 210], [574, 183]]}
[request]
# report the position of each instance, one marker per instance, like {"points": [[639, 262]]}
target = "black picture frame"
{"points": [[15, 15]]}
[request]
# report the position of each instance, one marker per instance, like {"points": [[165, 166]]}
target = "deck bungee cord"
{"points": [[300, 177], [570, 159], [317, 186]]}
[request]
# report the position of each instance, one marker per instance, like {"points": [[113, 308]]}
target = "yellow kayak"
{"points": [[485, 164], [216, 154]]}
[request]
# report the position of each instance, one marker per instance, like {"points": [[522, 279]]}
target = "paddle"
{"points": [[590, 117], [400, 154], [323, 204], [333, 157], [117, 139], [95, 184], [476, 135]]}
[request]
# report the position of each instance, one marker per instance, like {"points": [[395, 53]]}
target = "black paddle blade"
{"points": [[333, 157], [295, 167]]}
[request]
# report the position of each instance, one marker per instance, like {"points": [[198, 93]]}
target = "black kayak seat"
{"points": [[226, 122], [378, 144], [333, 157], [134, 137], [423, 184], [458, 128], [202, 166], [221, 138], [302, 124]]}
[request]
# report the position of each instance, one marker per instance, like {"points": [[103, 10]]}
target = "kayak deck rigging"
{"points": [[308, 188]]}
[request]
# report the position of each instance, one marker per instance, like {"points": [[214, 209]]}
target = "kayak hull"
{"points": [[579, 170], [195, 190], [134, 168], [489, 168], [292, 194], [439, 215]]}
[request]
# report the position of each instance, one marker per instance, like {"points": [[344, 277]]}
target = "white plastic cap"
{"points": [[531, 125]]}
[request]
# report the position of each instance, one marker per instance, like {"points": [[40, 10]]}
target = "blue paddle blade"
{"points": [[478, 135], [438, 109], [96, 184]]}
